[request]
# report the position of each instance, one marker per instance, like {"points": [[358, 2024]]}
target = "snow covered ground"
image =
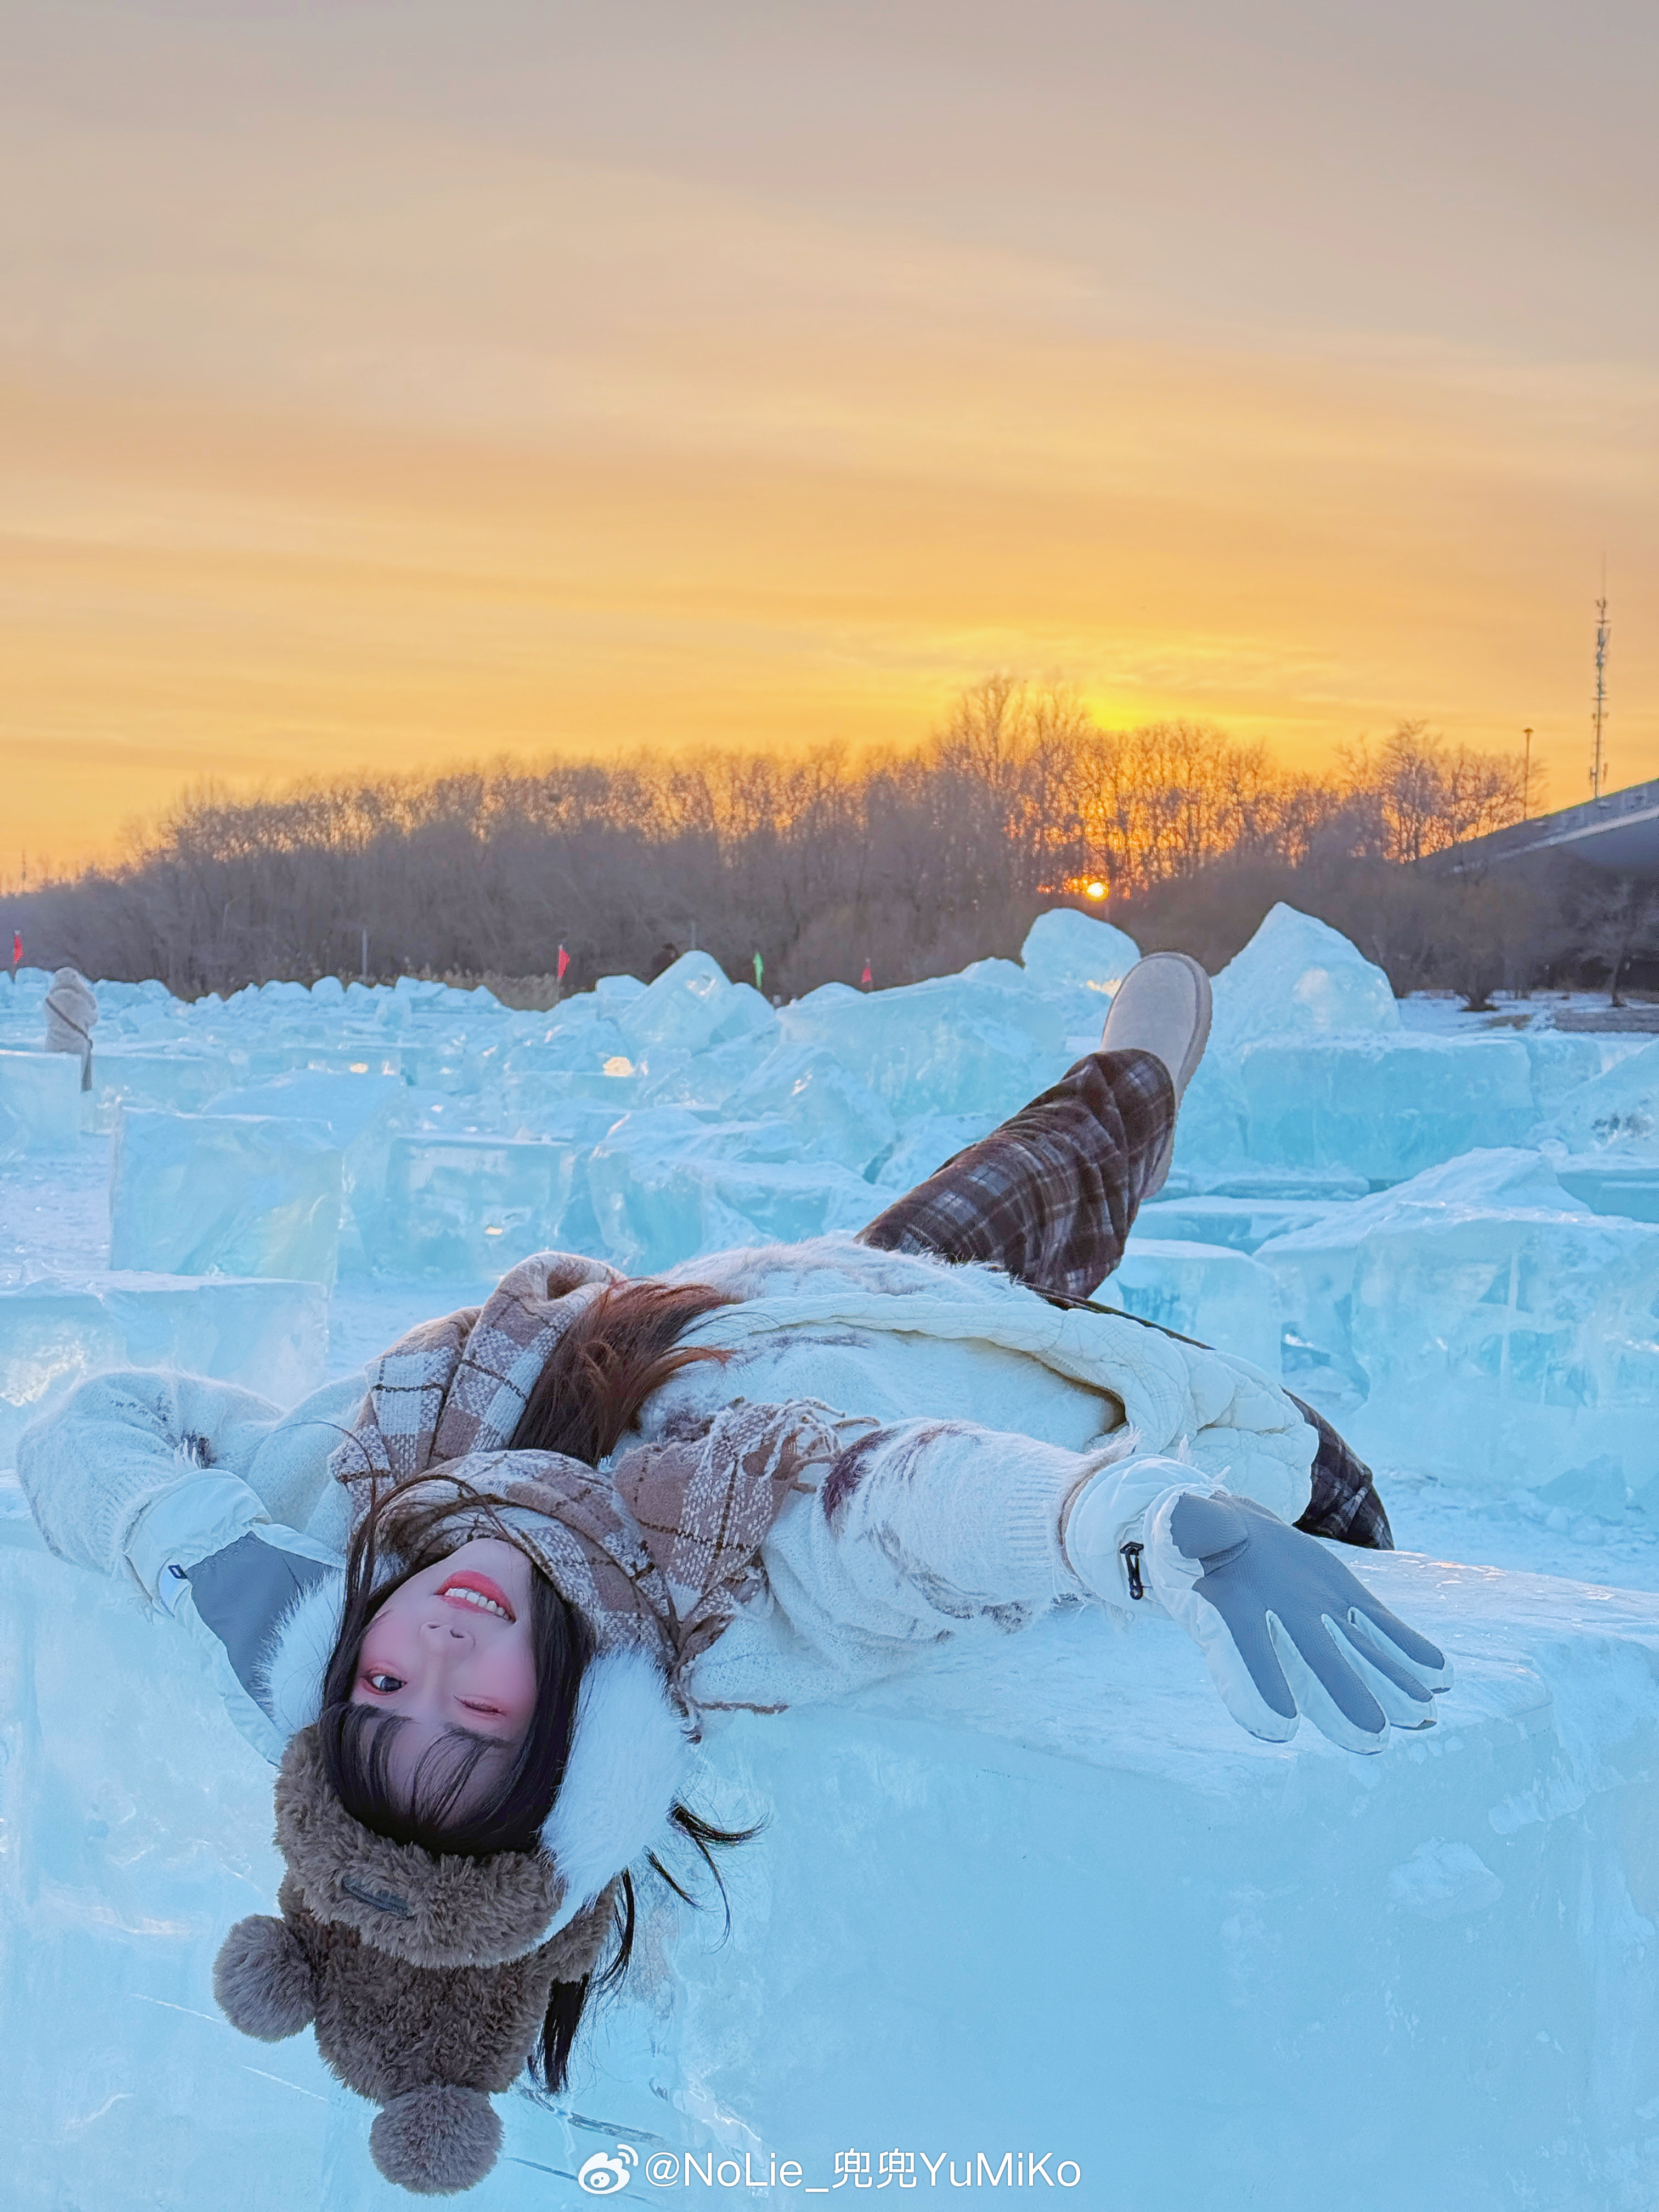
{"points": [[1058, 1903]]}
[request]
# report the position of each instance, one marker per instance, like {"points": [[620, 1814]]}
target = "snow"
{"points": [[1049, 1898]]}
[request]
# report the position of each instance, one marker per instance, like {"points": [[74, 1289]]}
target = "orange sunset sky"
{"points": [[384, 382]]}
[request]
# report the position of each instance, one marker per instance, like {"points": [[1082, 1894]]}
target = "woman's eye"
{"points": [[384, 1683]]}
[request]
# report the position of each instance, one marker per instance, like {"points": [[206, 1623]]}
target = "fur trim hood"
{"points": [[629, 1752]]}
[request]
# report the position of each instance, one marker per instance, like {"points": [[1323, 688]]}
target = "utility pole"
{"points": [[1598, 763], [1526, 778]]}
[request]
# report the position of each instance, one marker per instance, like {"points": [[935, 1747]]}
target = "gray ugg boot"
{"points": [[1162, 1006]]}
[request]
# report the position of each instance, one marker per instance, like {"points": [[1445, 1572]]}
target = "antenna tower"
{"points": [[1598, 762]]}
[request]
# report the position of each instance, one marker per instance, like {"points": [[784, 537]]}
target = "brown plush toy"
{"points": [[427, 1978]]}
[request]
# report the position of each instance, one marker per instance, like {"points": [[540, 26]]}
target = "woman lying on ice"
{"points": [[478, 1601]]}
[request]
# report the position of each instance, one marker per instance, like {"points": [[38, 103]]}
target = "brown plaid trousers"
{"points": [[1050, 1197]]}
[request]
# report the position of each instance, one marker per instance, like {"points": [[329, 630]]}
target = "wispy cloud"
{"points": [[365, 403]]}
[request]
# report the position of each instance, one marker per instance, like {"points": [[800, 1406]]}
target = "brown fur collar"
{"points": [[429, 1911]]}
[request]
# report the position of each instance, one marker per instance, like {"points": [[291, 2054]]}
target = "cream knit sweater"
{"points": [[969, 1411]]}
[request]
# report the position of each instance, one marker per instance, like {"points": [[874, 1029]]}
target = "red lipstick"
{"points": [[469, 1579]]}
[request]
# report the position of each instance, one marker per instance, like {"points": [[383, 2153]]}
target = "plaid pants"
{"points": [[1050, 1197]]}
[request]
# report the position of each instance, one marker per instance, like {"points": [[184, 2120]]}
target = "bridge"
{"points": [[1618, 830]]}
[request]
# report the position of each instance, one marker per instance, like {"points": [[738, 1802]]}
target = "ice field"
{"points": [[1057, 1903]]}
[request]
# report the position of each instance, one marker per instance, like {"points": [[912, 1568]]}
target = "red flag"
{"points": [[17, 948], [866, 979], [564, 961]]}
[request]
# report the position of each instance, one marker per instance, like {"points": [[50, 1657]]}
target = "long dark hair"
{"points": [[621, 1348]]}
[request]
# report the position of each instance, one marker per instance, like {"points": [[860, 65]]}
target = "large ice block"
{"points": [[225, 1195], [361, 1114], [1617, 1112], [692, 1007], [1299, 977], [948, 1046], [837, 1117], [1612, 1182], [1222, 1972], [270, 1054], [1243, 1223], [1065, 950], [925, 1146], [1386, 1107], [1314, 1263], [1213, 1293], [183, 1080], [705, 1080], [1512, 1350], [665, 1186], [470, 1207], [1560, 1062], [1496, 1333], [41, 1092], [272, 1337]]}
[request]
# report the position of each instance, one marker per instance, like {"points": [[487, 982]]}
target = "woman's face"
{"points": [[450, 1648]]}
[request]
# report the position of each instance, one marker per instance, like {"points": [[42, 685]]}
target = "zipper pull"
{"points": [[1131, 1556]]}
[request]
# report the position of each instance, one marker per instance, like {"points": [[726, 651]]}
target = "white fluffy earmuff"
{"points": [[628, 1764]]}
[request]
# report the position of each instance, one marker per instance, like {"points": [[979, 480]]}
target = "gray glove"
{"points": [[1285, 1629]]}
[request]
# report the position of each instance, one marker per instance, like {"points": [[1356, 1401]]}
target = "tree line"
{"points": [[825, 863]]}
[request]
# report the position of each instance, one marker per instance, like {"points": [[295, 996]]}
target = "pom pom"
{"points": [[436, 2141], [262, 1981]]}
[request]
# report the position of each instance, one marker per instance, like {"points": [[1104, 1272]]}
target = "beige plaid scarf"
{"points": [[656, 1553]]}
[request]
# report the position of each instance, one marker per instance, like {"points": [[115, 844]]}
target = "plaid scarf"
{"points": [[657, 1552]]}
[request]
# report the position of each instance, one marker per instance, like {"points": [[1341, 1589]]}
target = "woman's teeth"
{"points": [[477, 1598]]}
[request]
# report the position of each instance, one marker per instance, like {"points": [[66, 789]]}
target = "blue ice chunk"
{"points": [[1457, 1924], [1212, 1292], [1065, 949], [925, 1147], [1608, 1182], [40, 1093], [181, 1078], [361, 1114], [1299, 977], [1502, 1350], [691, 1006], [224, 1194], [943, 1047], [612, 993], [1560, 1063], [703, 1079], [1495, 1332], [1615, 1113], [1314, 1263], [470, 1207], [838, 1117], [1241, 1224], [1384, 1106], [665, 1186], [272, 1337]]}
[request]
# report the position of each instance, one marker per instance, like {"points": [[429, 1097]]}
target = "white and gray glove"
{"points": [[1283, 1627]]}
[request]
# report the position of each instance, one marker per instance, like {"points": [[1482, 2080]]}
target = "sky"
{"points": [[390, 382]]}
